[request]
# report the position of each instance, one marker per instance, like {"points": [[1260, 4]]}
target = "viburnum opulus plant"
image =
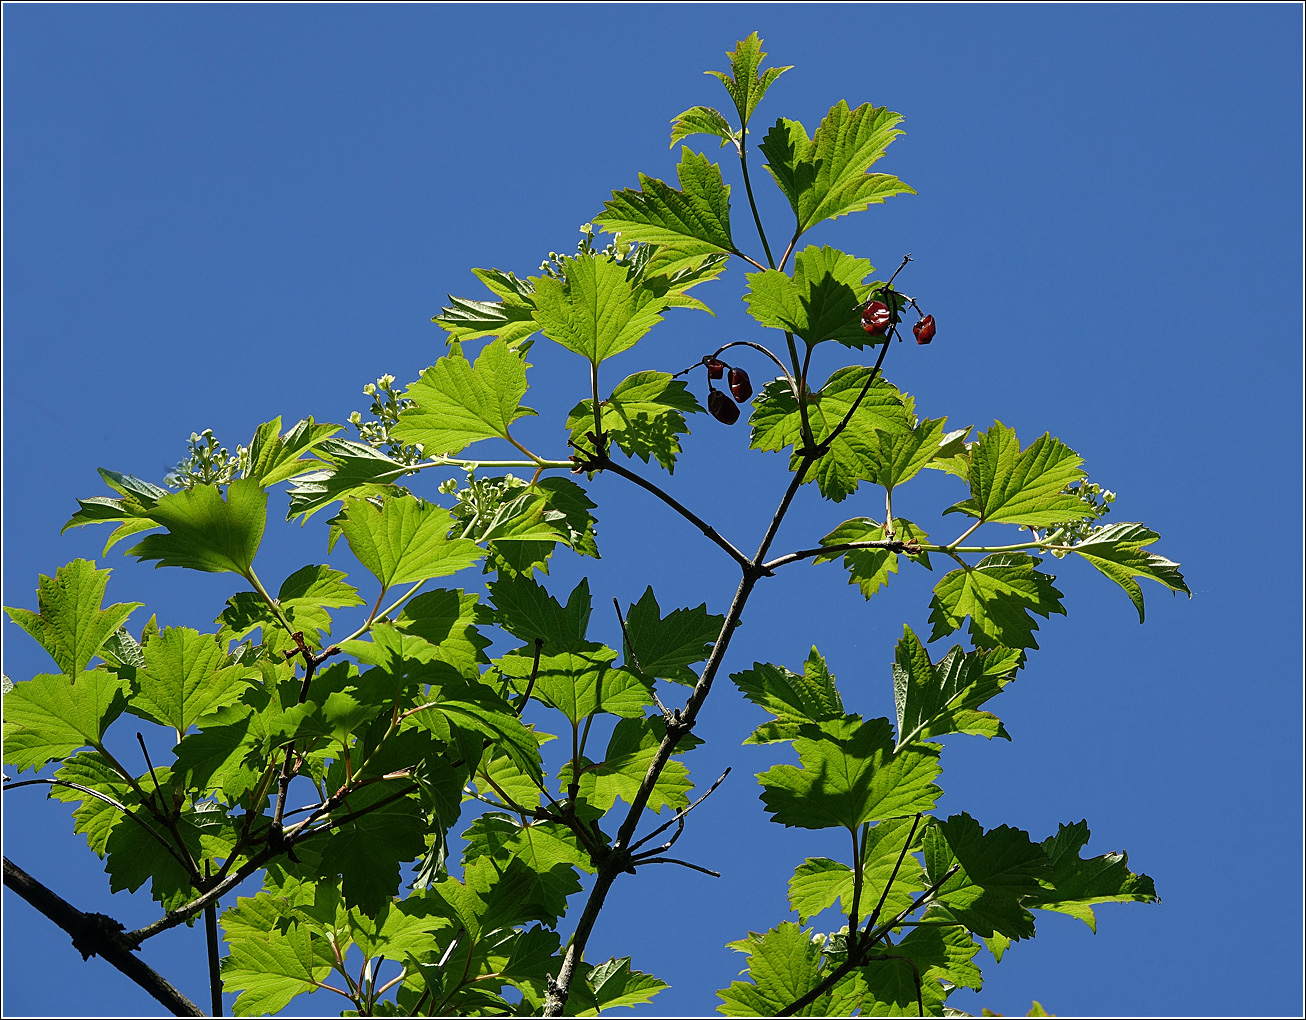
{"points": [[455, 821]]}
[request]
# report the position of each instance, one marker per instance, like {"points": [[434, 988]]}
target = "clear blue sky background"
{"points": [[217, 214]]}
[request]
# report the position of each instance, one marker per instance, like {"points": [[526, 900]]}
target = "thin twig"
{"points": [[633, 659], [748, 187], [875, 915], [162, 841], [681, 813], [683, 864], [530, 684], [680, 508]]}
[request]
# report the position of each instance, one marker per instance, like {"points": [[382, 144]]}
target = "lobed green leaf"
{"points": [[69, 623]]}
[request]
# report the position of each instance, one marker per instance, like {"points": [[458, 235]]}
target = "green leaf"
{"points": [[307, 594], [942, 958], [850, 775], [94, 817], [456, 403], [614, 984], [187, 676], [694, 220], [549, 852], [998, 869], [498, 775], [1117, 551], [494, 896], [644, 416], [407, 926], [206, 532], [132, 511], [702, 120], [792, 699], [274, 458], [935, 699], [1022, 487], [473, 706], [366, 851], [998, 594], [356, 470], [512, 317], [405, 540], [819, 882], [666, 646], [631, 750], [1073, 885], [223, 759], [524, 609], [521, 523], [900, 455], [134, 857], [826, 176], [776, 424], [581, 682], [821, 301], [746, 82], [272, 958], [69, 623], [448, 619], [785, 964], [869, 569], [51, 716], [596, 309]]}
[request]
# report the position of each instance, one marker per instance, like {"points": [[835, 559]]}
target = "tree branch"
{"points": [[98, 935], [603, 462]]}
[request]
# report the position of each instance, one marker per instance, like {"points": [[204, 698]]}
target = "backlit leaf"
{"points": [[69, 623], [456, 403], [206, 532]]}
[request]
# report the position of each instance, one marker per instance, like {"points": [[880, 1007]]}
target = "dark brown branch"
{"points": [[601, 462], [211, 941], [555, 1000], [98, 935], [556, 994]]}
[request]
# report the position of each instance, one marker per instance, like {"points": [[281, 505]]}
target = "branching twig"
{"points": [[680, 815]]}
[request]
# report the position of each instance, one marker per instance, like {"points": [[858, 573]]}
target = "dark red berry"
{"points": [[722, 409], [924, 330], [739, 385], [875, 317], [715, 369]]}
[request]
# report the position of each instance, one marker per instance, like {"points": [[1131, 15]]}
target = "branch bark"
{"points": [[98, 935]]}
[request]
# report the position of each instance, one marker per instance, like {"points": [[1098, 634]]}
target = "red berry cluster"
{"points": [[740, 388], [878, 320]]}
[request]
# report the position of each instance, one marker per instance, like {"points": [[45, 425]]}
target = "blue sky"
{"points": [[216, 214]]}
